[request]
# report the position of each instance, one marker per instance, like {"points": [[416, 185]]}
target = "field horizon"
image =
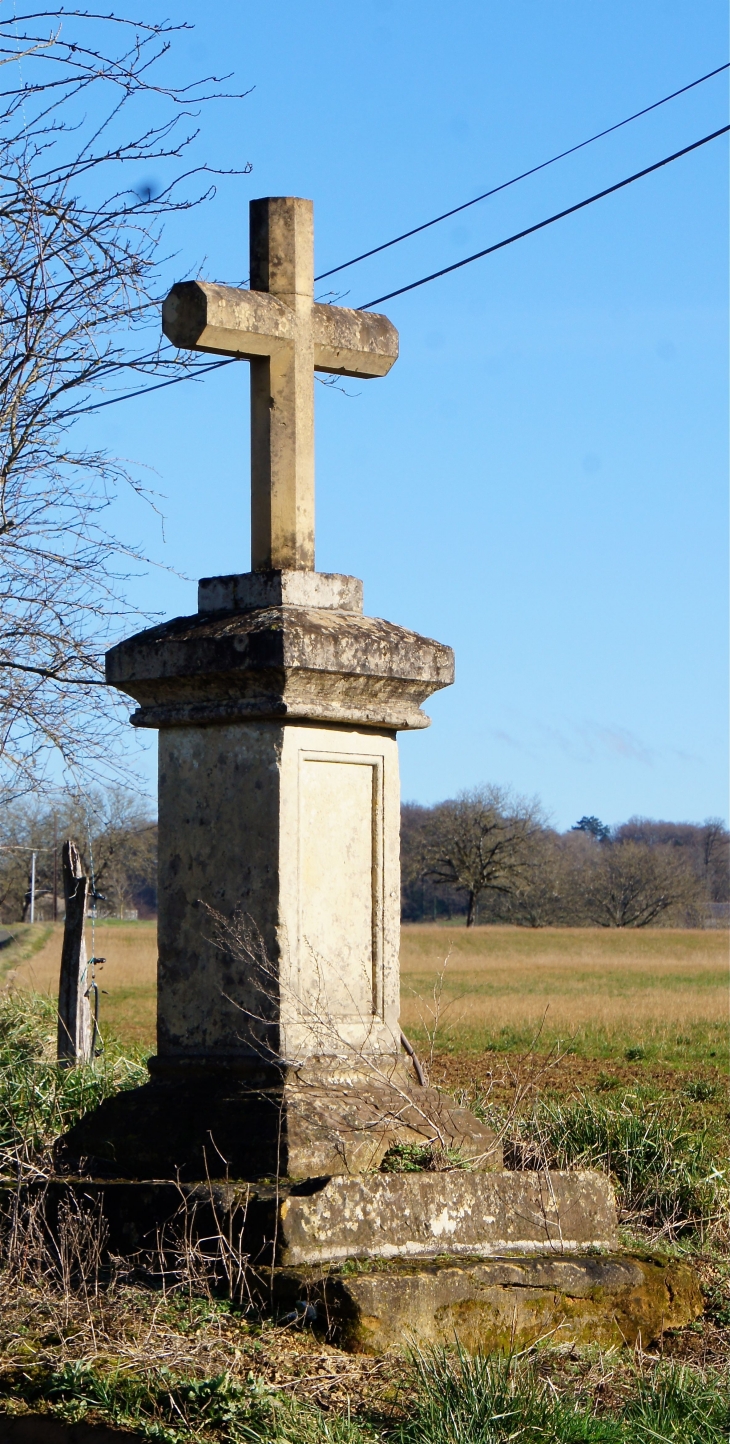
{"points": [[596, 991]]}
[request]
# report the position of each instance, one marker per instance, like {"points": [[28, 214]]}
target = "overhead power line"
{"points": [[229, 360], [145, 390], [523, 176], [529, 230]]}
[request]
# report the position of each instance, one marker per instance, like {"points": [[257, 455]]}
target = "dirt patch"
{"points": [[500, 1074]]}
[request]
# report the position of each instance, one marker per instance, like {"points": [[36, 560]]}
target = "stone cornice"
{"points": [[285, 662]]}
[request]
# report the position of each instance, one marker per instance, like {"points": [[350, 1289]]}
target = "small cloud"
{"points": [[585, 742], [500, 736], [621, 743]]}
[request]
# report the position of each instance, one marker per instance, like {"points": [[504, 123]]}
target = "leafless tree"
{"points": [[543, 894], [478, 842], [116, 835], [85, 100], [631, 884]]}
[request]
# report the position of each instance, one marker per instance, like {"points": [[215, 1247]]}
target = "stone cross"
{"points": [[287, 336]]}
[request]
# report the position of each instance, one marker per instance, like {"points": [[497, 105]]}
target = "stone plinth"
{"points": [[414, 1215], [197, 1120], [375, 1217], [496, 1304]]}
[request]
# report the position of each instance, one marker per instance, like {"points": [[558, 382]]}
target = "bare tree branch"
{"points": [[80, 286]]}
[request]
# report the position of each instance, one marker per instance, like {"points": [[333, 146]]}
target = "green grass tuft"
{"points": [[173, 1409], [490, 1400], [667, 1171], [422, 1158], [39, 1100]]}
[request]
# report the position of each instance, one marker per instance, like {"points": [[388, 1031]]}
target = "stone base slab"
{"points": [[412, 1215], [334, 1219], [495, 1304]]}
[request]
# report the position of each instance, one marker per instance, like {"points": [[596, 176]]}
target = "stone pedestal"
{"points": [[279, 1082], [491, 1304], [279, 1048]]}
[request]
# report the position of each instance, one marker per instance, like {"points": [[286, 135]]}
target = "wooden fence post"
{"points": [[74, 1011]]}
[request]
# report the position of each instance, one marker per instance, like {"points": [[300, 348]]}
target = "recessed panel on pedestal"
{"points": [[341, 884]]}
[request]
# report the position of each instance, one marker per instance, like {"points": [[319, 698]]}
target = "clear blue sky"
{"points": [[541, 481]]}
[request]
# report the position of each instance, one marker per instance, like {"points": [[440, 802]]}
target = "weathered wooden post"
{"points": [[74, 1011]]}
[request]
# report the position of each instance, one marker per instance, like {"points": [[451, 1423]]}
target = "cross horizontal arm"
{"points": [[353, 343], [230, 321]]}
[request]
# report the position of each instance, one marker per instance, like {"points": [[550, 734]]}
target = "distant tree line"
{"points": [[487, 856], [116, 834]]}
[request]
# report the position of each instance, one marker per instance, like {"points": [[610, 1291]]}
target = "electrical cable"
{"points": [[529, 230], [145, 391], [525, 173], [434, 275]]}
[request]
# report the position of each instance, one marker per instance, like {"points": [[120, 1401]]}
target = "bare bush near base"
{"points": [[62, 1248], [269, 992], [67, 1255], [241, 940], [85, 99]]}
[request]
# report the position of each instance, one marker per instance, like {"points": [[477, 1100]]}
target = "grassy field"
{"points": [[127, 977], [601, 992], [636, 1091]]}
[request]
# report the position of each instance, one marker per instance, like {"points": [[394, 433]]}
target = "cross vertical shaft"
{"points": [[277, 327], [282, 390]]}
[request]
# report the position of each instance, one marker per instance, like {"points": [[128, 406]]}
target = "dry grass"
{"points": [[128, 977], [499, 982], [626, 984]]}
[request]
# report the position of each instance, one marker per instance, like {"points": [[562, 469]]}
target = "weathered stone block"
{"points": [[295, 828], [251, 591], [323, 664], [499, 1303], [195, 1121], [460, 1213]]}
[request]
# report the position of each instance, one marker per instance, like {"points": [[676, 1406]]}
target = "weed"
{"points": [[491, 1400], [680, 1405], [667, 1176], [422, 1158], [39, 1100], [699, 1090], [172, 1409], [633, 1055]]}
